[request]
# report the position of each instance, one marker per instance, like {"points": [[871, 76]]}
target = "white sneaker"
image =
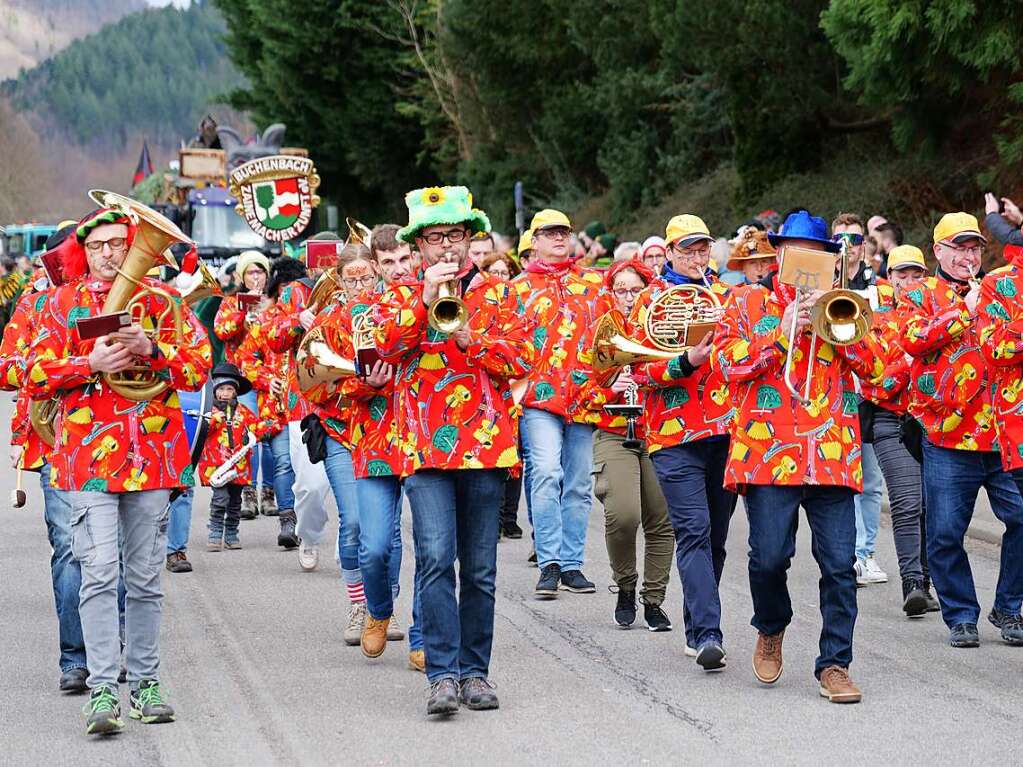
{"points": [[308, 556], [690, 652], [861, 572], [356, 621], [394, 632], [874, 572]]}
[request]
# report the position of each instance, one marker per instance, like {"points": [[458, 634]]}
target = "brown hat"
{"points": [[750, 245]]}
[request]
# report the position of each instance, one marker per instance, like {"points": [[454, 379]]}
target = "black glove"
{"points": [[315, 438]]}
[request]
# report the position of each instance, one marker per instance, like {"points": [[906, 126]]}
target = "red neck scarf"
{"points": [[555, 269]]}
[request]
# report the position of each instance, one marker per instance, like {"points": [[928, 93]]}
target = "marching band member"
{"points": [[286, 323], [231, 423], [887, 402], [458, 439], [564, 301], [785, 454], [29, 453], [625, 483], [118, 459], [688, 414], [952, 398], [232, 325]]}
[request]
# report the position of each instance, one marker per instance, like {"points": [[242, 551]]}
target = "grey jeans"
{"points": [[141, 520]]}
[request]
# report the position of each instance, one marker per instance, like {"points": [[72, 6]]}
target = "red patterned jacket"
{"points": [[284, 333], [18, 335], [775, 440], [452, 405]]}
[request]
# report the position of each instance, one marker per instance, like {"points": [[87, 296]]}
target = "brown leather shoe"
{"points": [[767, 663], [417, 660], [374, 636], [837, 687]]}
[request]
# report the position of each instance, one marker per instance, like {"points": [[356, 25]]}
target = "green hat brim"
{"points": [[477, 221]]}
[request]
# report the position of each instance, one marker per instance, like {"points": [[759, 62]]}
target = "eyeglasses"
{"points": [[455, 235], [850, 237], [973, 250], [695, 251], [654, 255], [626, 292], [555, 233], [116, 245], [360, 282]]}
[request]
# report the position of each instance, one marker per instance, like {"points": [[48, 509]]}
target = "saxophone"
{"points": [[228, 470]]}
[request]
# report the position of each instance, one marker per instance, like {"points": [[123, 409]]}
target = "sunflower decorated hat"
{"points": [[441, 205]]}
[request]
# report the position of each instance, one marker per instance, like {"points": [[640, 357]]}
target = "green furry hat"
{"points": [[441, 205]]}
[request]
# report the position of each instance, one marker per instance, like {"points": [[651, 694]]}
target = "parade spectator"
{"points": [[1004, 225]]}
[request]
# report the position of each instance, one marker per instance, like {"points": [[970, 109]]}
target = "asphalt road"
{"points": [[254, 663]]}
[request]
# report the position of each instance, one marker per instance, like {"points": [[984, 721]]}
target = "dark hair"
{"points": [[283, 270], [895, 229], [59, 236], [383, 237]]}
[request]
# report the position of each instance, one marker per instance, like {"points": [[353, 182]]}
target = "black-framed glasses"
{"points": [[452, 236], [360, 282], [850, 237], [555, 232], [116, 245]]}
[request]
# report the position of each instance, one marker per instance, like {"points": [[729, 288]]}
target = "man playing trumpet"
{"points": [[118, 457], [790, 450]]}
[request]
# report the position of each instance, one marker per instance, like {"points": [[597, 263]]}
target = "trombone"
{"points": [[840, 317]]}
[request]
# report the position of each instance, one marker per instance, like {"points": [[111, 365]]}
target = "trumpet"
{"points": [[447, 313], [228, 470]]}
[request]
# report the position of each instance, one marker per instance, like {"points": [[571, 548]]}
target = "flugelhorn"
{"points": [[154, 235], [447, 313]]}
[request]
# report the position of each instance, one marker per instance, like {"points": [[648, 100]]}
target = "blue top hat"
{"points": [[803, 226]]}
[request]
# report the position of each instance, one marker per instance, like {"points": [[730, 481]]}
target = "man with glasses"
{"points": [[951, 396], [687, 414], [118, 460], [564, 301], [847, 230], [461, 442]]}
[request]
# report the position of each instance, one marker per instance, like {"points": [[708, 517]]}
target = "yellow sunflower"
{"points": [[433, 196]]}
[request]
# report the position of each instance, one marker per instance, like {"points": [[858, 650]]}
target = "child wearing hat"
{"points": [[231, 423]]}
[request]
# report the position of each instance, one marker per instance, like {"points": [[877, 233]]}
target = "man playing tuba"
{"points": [[120, 493]]}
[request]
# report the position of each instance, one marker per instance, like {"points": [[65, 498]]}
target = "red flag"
{"points": [[145, 166]]}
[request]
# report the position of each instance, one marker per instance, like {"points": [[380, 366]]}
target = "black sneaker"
{"points": [[964, 635], [511, 530], [443, 698], [104, 710], [547, 586], [532, 557], [477, 693], [933, 606], [147, 704], [625, 610], [575, 581], [656, 619], [73, 680], [914, 598], [1011, 625], [711, 656]]}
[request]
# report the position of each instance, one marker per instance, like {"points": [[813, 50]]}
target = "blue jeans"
{"points": [[341, 475], [952, 479], [560, 460], [180, 522], [262, 455], [773, 513], [283, 474], [455, 515], [379, 508], [65, 572], [868, 505], [692, 477]]}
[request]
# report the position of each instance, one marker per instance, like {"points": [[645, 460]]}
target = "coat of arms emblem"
{"points": [[276, 195]]}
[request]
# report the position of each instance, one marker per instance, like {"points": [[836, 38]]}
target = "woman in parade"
{"points": [[625, 482]]}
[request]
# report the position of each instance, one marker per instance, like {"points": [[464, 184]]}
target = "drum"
{"points": [[195, 404]]}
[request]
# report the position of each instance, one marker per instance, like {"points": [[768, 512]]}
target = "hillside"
{"points": [[34, 30], [152, 73]]}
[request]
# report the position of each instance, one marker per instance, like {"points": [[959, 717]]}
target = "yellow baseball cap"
{"points": [[686, 229], [526, 241], [956, 227], [906, 255], [547, 218]]}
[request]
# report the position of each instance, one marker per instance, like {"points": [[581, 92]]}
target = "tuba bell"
{"points": [[154, 235], [41, 415], [318, 364]]}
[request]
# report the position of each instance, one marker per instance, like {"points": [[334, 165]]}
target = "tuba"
{"points": [[155, 234], [42, 414], [447, 313], [317, 364], [201, 285]]}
